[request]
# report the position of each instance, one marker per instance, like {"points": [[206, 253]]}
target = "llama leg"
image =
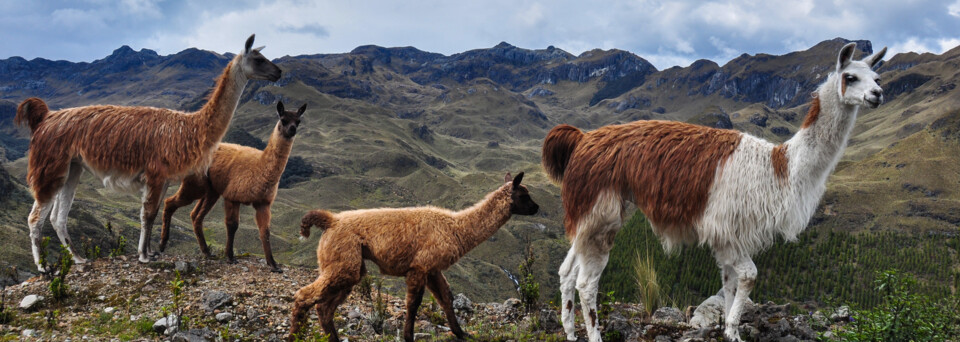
{"points": [[61, 209], [263, 223], [729, 286], [588, 281], [747, 277], [327, 311], [415, 284], [200, 212], [35, 220], [154, 191], [184, 196], [437, 284], [306, 298], [568, 282], [231, 213]]}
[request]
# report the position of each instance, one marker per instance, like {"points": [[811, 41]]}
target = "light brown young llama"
{"points": [[134, 149], [241, 175], [416, 243]]}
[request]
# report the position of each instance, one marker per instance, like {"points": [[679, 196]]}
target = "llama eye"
{"points": [[850, 78]]}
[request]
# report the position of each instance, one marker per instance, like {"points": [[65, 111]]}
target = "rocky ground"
{"points": [[119, 299]]}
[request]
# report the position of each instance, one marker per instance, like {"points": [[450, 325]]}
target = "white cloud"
{"points": [[530, 16], [954, 9]]}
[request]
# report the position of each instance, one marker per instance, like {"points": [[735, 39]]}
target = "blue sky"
{"points": [[666, 33]]}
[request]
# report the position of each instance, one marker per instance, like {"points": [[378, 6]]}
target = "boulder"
{"points": [[462, 303], [708, 314], [30, 302], [167, 325], [224, 317]]}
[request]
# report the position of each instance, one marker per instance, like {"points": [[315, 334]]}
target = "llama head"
{"points": [[520, 201], [289, 120], [858, 83], [255, 66]]}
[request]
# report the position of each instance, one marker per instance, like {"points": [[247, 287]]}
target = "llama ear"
{"points": [[507, 178], [846, 55], [249, 44], [517, 180], [302, 109], [280, 108], [875, 59], [259, 48]]}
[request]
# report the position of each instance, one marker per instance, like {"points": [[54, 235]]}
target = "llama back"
{"points": [[665, 167]]}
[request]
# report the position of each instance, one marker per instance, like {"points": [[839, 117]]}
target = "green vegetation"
{"points": [[528, 286], [819, 265], [903, 314], [58, 285], [650, 293]]}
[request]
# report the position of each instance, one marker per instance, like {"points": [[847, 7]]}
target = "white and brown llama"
{"points": [[416, 243], [131, 149], [722, 188], [241, 175]]}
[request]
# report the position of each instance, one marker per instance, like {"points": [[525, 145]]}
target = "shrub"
{"points": [[651, 294], [903, 314], [58, 286]]}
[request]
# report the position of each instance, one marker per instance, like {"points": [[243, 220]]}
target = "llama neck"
{"points": [[479, 222], [216, 114], [818, 147], [276, 153]]}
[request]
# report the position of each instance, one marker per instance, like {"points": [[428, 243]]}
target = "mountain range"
{"points": [[403, 127]]}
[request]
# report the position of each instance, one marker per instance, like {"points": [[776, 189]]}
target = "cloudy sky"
{"points": [[666, 33]]}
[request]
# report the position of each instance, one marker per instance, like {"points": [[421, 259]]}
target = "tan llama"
{"points": [[416, 243], [241, 175], [132, 149]]}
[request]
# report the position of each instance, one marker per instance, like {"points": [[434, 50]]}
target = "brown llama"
{"points": [[132, 149], [241, 175], [416, 243]]}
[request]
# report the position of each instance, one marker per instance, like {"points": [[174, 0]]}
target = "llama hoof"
{"points": [[143, 259], [231, 261], [732, 334], [78, 260], [276, 269]]}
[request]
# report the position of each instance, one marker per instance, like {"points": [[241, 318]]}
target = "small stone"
{"points": [[184, 267], [462, 303], [166, 325], [195, 335], [668, 316], [215, 300], [29, 302], [708, 313], [421, 336], [353, 314], [224, 317], [512, 303], [109, 310], [29, 333], [842, 314], [101, 298]]}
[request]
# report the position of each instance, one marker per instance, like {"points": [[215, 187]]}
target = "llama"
{"points": [[731, 191], [131, 149], [416, 243], [241, 175]]}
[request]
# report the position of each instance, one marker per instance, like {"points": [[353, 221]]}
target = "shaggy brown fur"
{"points": [[665, 167], [780, 163], [813, 114], [135, 148], [242, 176], [416, 243]]}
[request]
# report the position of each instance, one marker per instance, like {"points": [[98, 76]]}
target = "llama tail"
{"points": [[321, 218], [558, 146], [31, 112]]}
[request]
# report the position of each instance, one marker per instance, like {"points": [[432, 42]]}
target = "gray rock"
{"points": [[421, 336], [167, 325], [819, 320], [184, 267], [667, 316], [354, 314], [549, 320], [842, 314], [30, 302], [215, 300], [663, 338], [462, 303], [109, 310], [512, 303], [708, 314], [29, 333], [195, 335], [224, 317], [617, 322]]}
